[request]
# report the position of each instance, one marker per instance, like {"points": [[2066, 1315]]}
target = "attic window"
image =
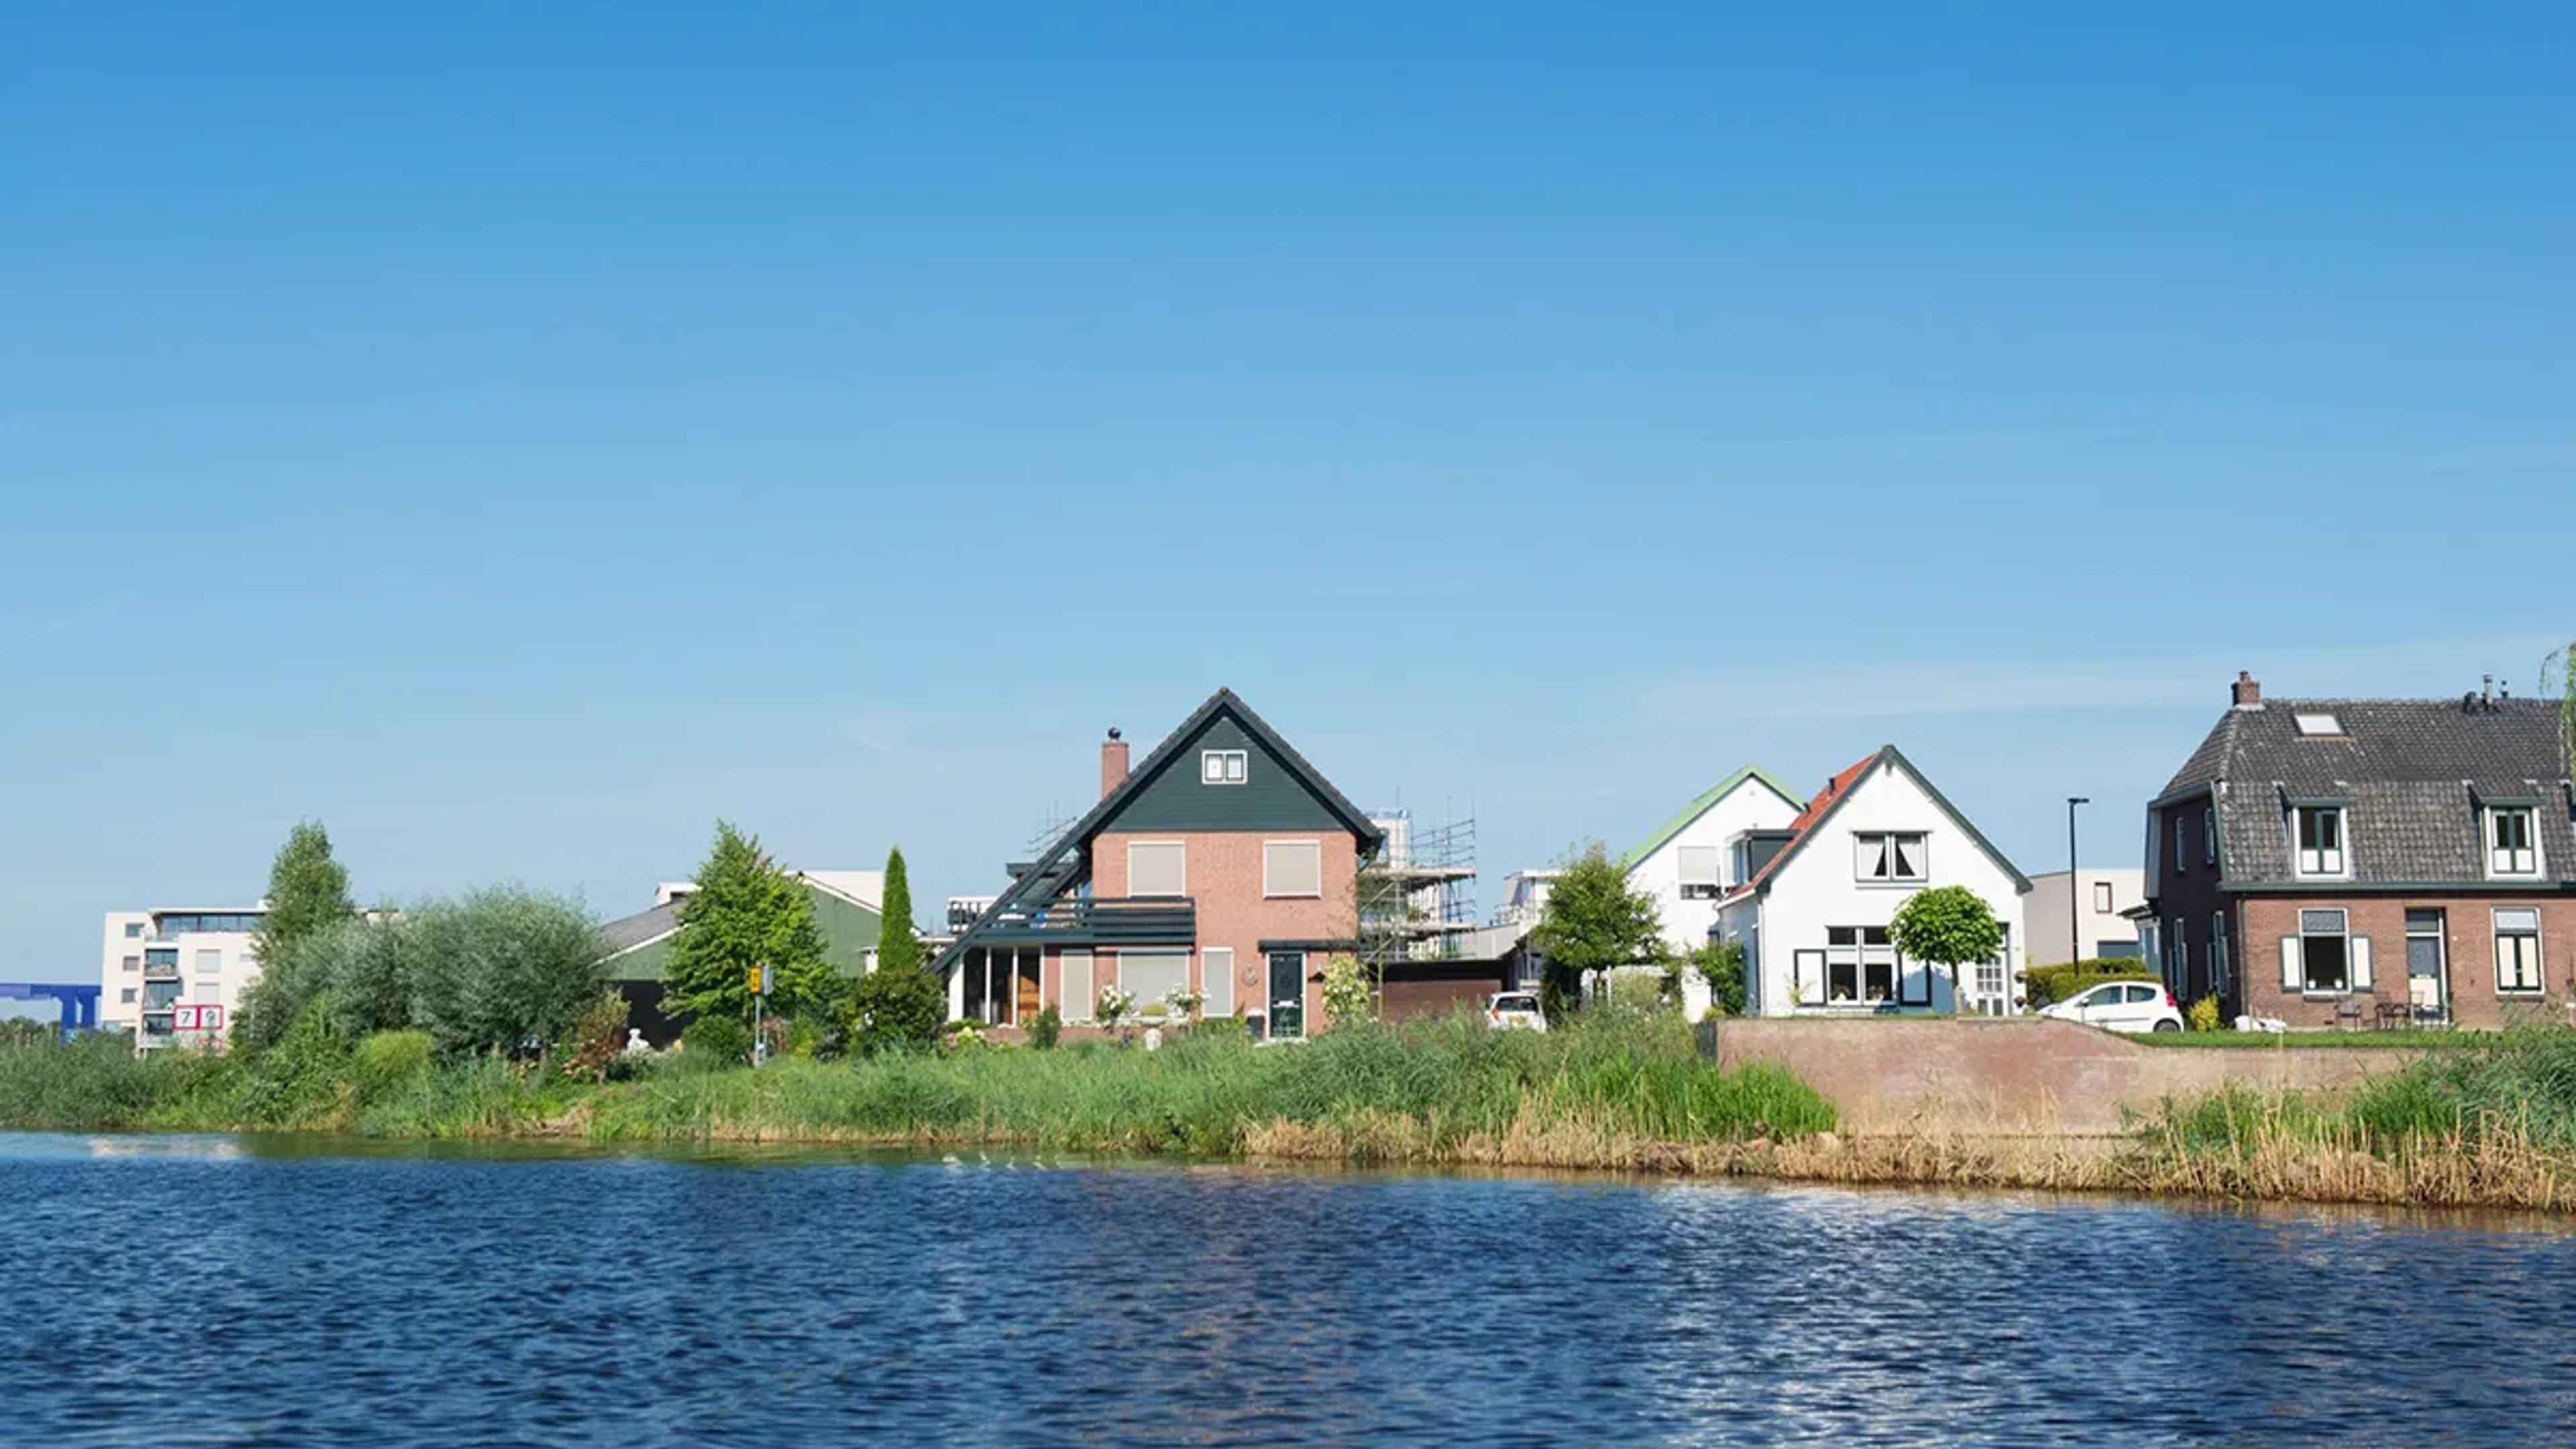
{"points": [[2314, 725], [1221, 767]]}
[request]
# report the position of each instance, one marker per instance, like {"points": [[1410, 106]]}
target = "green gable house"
{"points": [[847, 906]]}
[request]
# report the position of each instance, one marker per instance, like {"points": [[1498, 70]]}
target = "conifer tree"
{"points": [[746, 912]]}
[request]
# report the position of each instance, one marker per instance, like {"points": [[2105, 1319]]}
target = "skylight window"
{"points": [[2313, 725]]}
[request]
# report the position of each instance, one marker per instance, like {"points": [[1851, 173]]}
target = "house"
{"points": [[2083, 915], [2324, 861], [1813, 919], [848, 907], [1715, 844], [1224, 867]]}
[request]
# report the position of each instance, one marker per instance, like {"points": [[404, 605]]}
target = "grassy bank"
{"points": [[2489, 1121], [1613, 1093]]}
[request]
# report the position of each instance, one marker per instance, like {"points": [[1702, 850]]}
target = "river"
{"points": [[229, 1290]]}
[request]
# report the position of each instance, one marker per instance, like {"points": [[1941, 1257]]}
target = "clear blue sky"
{"points": [[519, 435]]}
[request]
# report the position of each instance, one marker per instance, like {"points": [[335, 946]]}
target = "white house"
{"points": [[1813, 920], [175, 976], [1714, 845]]}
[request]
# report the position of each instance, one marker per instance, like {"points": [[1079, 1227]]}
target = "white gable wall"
{"points": [[1751, 805], [1820, 888]]}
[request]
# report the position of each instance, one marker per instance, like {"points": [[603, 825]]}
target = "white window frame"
{"points": [[1180, 846], [2209, 833], [1224, 767], [2322, 863], [208, 963], [1216, 980], [1700, 888], [2217, 953], [1886, 849], [2182, 851], [2357, 975], [2498, 867], [1271, 893], [2103, 899], [2539, 967]]}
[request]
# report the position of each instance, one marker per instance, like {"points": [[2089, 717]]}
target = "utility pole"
{"points": [[2074, 932]]}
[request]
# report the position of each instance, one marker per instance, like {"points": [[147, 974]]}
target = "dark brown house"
{"points": [[2377, 861]]}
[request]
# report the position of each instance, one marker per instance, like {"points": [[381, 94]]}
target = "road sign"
{"points": [[758, 980], [186, 1017], [183, 1018]]}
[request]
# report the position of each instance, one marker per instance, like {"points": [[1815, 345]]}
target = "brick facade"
{"points": [[1224, 880], [2468, 949]]}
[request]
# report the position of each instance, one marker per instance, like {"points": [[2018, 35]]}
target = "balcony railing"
{"points": [[1171, 921]]}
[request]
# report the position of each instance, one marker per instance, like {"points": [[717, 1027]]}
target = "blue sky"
{"points": [[517, 439]]}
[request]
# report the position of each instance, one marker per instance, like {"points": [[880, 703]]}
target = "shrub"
{"points": [[2048, 985], [1044, 1031], [1349, 993], [1223, 1028], [2203, 1015], [897, 1008], [388, 1060], [711, 1039], [1721, 965], [500, 968], [598, 1039]]}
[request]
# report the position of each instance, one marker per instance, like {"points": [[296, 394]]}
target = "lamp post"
{"points": [[2074, 934]]}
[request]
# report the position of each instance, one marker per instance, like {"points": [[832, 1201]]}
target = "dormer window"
{"points": [[1891, 859], [1222, 767], [2512, 845], [2320, 839]]}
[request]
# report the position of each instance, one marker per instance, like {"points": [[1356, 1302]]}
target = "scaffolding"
{"points": [[1417, 899]]}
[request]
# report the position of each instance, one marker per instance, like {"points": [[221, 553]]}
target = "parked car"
{"points": [[2121, 1006], [1515, 1011]]}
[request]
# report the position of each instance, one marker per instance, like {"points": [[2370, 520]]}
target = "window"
{"points": [[1807, 967], [1222, 767], [2517, 950], [134, 930], [2218, 951], [2177, 955], [2510, 848], [1076, 999], [133, 963], [1890, 858], [2182, 857], [2324, 959], [1157, 868], [2209, 834], [126, 996], [1699, 872], [210, 963], [2317, 726], [1860, 966], [2320, 839], [2101, 898], [1292, 868], [1151, 976], [1216, 981]]}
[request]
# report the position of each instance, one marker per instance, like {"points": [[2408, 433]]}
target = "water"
{"points": [[236, 1291]]}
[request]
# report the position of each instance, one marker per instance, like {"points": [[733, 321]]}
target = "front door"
{"points": [[2427, 983], [1287, 995]]}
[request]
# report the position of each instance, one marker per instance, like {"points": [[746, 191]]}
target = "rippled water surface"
{"points": [[215, 1290]]}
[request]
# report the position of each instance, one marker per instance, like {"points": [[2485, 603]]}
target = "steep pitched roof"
{"points": [[1054, 869], [1706, 802], [2411, 774], [1811, 821]]}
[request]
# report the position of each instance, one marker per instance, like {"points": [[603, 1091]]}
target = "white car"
{"points": [[1514, 1011], [2121, 1006]]}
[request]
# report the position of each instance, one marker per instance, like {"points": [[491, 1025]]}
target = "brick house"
{"points": [[2328, 861], [1224, 866]]}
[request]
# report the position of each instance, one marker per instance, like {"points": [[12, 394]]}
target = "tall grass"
{"points": [[1596, 1094]]}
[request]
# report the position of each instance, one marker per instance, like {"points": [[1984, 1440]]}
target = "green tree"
{"points": [[1947, 926], [1593, 922], [898, 943], [307, 890], [897, 1009], [500, 968], [747, 912]]}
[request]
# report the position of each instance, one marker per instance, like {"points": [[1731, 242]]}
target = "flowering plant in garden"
{"points": [[1114, 1007]]}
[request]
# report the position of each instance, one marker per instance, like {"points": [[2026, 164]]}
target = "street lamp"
{"points": [[2074, 935]]}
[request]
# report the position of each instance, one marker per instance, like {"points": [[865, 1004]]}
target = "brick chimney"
{"points": [[2248, 691], [1113, 762]]}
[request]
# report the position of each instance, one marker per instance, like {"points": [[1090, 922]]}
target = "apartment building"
{"points": [[174, 975]]}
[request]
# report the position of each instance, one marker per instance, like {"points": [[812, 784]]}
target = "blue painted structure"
{"points": [[78, 1003]]}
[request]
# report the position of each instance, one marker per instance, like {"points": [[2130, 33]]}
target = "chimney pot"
{"points": [[2248, 691], [1113, 763]]}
